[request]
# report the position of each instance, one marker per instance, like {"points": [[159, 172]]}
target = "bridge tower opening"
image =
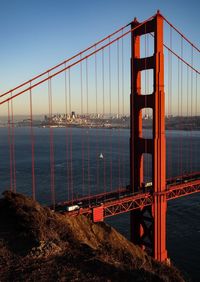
{"points": [[148, 225]]}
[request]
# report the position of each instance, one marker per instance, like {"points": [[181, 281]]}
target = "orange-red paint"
{"points": [[155, 230]]}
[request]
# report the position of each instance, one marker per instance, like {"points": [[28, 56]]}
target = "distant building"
{"points": [[73, 115]]}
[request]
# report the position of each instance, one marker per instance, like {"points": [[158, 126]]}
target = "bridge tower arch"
{"points": [[148, 225]]}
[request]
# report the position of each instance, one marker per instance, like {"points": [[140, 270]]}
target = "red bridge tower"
{"points": [[148, 225]]}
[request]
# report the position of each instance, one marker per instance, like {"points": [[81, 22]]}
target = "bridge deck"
{"points": [[123, 200]]}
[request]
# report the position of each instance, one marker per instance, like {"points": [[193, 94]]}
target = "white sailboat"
{"points": [[101, 156]]}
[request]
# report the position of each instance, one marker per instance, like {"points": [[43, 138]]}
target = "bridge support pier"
{"points": [[148, 225]]}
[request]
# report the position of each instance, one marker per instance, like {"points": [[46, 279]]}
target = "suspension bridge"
{"points": [[119, 133]]}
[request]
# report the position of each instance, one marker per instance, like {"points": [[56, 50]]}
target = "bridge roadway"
{"points": [[123, 200]]}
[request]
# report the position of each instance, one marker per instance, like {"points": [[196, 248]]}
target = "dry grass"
{"points": [[39, 245]]}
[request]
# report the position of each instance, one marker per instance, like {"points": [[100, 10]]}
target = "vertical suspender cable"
{"points": [[67, 139], [118, 116], [82, 131], [170, 102], [10, 149], [104, 131], [196, 117], [13, 147], [179, 139], [123, 135], [32, 144], [196, 99], [191, 134], [88, 135], [70, 145], [52, 176], [187, 87], [181, 106], [196, 123], [168, 152], [97, 130], [110, 110], [103, 113]]}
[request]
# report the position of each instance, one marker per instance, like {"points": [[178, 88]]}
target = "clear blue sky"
{"points": [[36, 34]]}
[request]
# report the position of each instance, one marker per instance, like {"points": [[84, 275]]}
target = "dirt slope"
{"points": [[39, 245]]}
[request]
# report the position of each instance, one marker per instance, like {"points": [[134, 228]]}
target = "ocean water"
{"points": [[78, 168]]}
